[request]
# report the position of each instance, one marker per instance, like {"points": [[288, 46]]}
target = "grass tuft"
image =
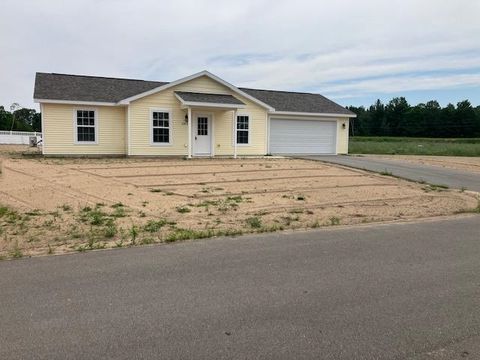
{"points": [[16, 253], [254, 222], [183, 209], [110, 230], [153, 226], [334, 220]]}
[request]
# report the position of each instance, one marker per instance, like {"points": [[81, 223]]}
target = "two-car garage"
{"points": [[289, 136]]}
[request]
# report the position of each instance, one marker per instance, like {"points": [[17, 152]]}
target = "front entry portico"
{"points": [[201, 109]]}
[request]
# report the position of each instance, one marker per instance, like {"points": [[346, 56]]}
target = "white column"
{"points": [[189, 110], [128, 133], [234, 121]]}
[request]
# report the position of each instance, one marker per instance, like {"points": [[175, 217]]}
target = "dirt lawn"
{"points": [[63, 205], [451, 162]]}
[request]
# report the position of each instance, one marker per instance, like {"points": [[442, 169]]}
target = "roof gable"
{"points": [[192, 77]]}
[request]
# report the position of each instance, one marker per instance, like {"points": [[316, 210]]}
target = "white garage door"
{"points": [[302, 136]]}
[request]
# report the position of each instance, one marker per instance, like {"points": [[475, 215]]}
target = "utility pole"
{"points": [[14, 107]]}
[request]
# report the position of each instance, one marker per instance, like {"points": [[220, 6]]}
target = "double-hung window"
{"points": [[160, 127], [86, 126], [243, 130]]}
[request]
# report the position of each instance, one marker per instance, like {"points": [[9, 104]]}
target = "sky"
{"points": [[353, 52]]}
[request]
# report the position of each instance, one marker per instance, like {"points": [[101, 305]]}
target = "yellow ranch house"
{"points": [[200, 115]]}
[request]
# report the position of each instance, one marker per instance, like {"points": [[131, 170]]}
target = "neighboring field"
{"points": [[61, 205], [414, 146]]}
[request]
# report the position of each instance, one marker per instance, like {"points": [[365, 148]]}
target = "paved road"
{"points": [[374, 292], [431, 174]]}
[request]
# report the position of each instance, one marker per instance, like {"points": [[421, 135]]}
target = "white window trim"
{"points": [[249, 128], [75, 126], [170, 125]]}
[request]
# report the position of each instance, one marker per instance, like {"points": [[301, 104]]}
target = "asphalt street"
{"points": [[452, 178], [391, 291]]}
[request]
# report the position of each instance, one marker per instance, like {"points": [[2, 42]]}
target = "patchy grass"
{"points": [[93, 216], [4, 211], [435, 187], [190, 234], [16, 253], [153, 226], [133, 234], [254, 222], [110, 230], [119, 212], [414, 146], [183, 209], [334, 220]]}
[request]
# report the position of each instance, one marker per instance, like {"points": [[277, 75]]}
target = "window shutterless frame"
{"points": [[243, 124], [76, 125], [160, 125]]}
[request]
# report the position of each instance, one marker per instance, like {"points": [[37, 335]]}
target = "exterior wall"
{"points": [[342, 136], [59, 133], [140, 127]]}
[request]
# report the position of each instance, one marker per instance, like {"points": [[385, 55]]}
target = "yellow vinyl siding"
{"points": [[140, 126], [59, 132], [342, 136], [224, 133]]}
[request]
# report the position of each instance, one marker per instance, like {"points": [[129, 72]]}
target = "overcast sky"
{"points": [[351, 51]]}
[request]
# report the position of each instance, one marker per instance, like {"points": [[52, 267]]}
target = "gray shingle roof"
{"points": [[209, 98], [88, 88], [104, 89], [297, 102]]}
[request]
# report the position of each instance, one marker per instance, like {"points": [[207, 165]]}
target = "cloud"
{"points": [[405, 83], [342, 48]]}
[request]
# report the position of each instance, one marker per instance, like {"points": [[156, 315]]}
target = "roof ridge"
{"points": [[284, 91], [102, 77]]}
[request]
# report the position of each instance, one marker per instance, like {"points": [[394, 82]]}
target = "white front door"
{"points": [[202, 135]]}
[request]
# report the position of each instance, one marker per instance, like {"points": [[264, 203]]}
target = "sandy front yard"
{"points": [[451, 162], [62, 205]]}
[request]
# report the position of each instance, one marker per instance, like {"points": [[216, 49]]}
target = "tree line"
{"points": [[399, 118], [20, 120]]}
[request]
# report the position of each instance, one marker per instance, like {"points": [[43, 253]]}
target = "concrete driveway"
{"points": [[452, 178], [391, 291]]}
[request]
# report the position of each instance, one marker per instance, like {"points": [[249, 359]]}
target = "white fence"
{"points": [[18, 137]]}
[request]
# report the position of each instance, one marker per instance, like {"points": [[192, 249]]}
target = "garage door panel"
{"points": [[288, 136]]}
